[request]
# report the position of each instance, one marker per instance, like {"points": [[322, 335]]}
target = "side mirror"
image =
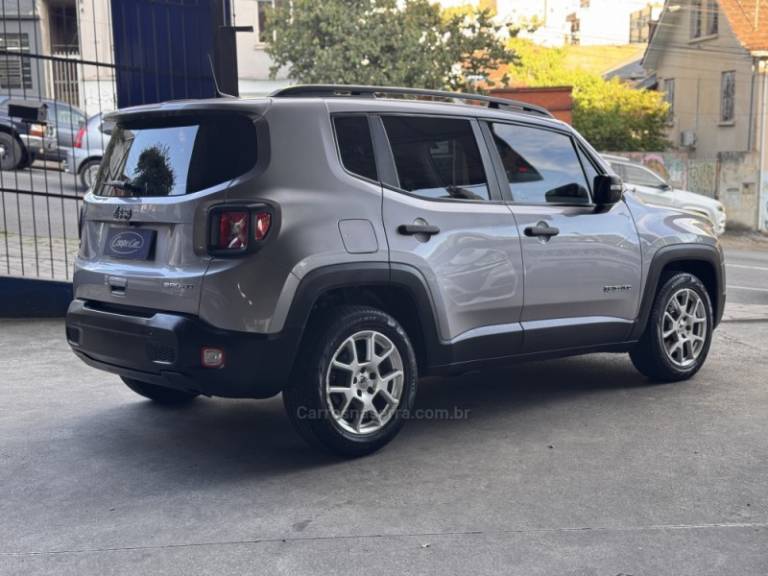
{"points": [[608, 190]]}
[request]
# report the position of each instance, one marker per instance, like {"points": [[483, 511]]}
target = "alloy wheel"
{"points": [[364, 382], [684, 327]]}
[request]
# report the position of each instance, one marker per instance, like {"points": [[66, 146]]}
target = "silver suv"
{"points": [[335, 243]]}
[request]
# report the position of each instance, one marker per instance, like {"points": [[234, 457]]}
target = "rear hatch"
{"points": [[144, 229]]}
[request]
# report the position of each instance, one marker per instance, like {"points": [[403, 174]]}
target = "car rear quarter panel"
{"points": [[314, 194]]}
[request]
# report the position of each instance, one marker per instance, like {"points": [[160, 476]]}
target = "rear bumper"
{"points": [[164, 349]]}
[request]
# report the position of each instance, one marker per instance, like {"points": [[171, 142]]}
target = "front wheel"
{"points": [[159, 394], [679, 331], [355, 383]]}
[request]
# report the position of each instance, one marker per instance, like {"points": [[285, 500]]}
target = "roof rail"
{"points": [[341, 90]]}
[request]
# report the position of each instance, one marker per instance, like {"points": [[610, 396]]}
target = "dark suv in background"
{"points": [[21, 143]]}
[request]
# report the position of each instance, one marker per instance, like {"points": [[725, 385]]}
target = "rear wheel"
{"points": [[159, 394], [679, 331], [356, 381], [11, 153], [88, 172]]}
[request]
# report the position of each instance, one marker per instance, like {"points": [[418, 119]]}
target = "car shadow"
{"points": [[219, 440]]}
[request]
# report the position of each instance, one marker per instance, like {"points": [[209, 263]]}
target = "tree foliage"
{"points": [[386, 42], [610, 114]]}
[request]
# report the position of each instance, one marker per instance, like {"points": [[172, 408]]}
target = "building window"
{"points": [[669, 96], [713, 17], [727, 97], [15, 71], [696, 19], [262, 10]]}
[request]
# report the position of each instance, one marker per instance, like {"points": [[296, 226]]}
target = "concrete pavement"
{"points": [[574, 466]]}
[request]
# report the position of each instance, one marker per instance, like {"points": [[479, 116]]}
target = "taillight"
{"points": [[79, 138], [235, 230], [37, 130]]}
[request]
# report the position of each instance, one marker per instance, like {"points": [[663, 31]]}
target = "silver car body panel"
{"points": [[484, 277]]}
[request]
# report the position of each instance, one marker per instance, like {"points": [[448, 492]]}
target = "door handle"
{"points": [[541, 230], [414, 229]]}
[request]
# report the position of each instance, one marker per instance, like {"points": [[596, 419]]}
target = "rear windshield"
{"points": [[175, 157]]}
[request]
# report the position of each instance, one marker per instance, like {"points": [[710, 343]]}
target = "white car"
{"points": [[652, 188]]}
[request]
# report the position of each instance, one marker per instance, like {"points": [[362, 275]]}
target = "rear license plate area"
{"points": [[130, 243]]}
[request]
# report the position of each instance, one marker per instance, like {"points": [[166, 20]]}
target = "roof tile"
{"points": [[749, 20]]}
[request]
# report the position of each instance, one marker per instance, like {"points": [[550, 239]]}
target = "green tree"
{"points": [[386, 42], [610, 114]]}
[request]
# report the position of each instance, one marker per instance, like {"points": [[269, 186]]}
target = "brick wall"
{"points": [[558, 99]]}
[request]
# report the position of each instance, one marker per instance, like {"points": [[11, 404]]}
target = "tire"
{"points": [[159, 394], [363, 414], [675, 345], [87, 173], [13, 154]]}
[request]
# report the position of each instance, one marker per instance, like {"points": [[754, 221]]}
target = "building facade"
{"points": [[710, 58]]}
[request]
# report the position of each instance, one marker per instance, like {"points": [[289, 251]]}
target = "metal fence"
{"points": [[68, 55], [61, 56]]}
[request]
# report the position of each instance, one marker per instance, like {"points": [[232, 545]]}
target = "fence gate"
{"points": [[83, 58]]}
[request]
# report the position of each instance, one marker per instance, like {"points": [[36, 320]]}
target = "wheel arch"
{"points": [[702, 260], [85, 161], [399, 290]]}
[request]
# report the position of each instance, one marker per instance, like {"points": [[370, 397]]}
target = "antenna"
{"points": [[216, 82]]}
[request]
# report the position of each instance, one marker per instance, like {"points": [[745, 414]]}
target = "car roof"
{"points": [[336, 104]]}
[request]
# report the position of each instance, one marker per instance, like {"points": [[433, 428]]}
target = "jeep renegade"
{"points": [[335, 243]]}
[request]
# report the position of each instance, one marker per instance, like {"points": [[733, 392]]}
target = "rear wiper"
{"points": [[124, 185]]}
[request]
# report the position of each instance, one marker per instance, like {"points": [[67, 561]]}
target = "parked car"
{"points": [[64, 122], [84, 158], [652, 188], [22, 142], [334, 245]]}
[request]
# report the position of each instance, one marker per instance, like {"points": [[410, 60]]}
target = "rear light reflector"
{"points": [[212, 357], [262, 221]]}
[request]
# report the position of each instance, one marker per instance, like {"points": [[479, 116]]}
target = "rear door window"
{"points": [[437, 157], [175, 157]]}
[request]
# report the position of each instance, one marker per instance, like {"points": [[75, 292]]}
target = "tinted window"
{"points": [[355, 147], [589, 168], [169, 158], [66, 117], [437, 157], [641, 176], [541, 165]]}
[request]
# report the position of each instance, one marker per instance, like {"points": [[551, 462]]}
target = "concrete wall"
{"points": [[731, 177], [738, 179]]}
